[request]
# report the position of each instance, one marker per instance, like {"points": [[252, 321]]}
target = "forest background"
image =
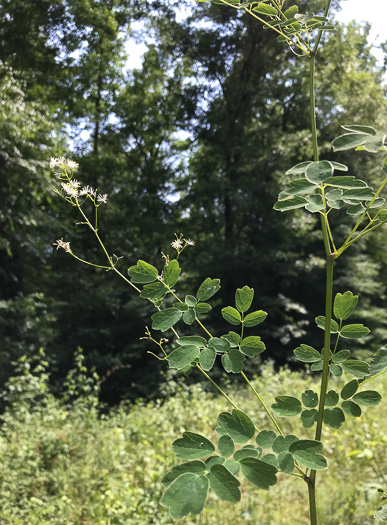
{"points": [[179, 144]]}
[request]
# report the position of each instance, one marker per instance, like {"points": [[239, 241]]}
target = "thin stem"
{"points": [[312, 502], [90, 263], [262, 403], [324, 377]]}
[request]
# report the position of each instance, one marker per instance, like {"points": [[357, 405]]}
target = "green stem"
{"points": [[262, 403], [324, 380]]}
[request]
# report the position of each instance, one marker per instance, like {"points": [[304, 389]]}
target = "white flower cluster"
{"points": [[63, 163], [179, 244]]}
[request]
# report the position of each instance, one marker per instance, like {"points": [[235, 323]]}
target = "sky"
{"points": [[373, 11]]}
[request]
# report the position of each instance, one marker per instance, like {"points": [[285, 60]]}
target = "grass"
{"points": [[63, 463]]}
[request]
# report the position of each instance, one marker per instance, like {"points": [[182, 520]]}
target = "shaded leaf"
{"points": [[341, 356], [331, 398], [202, 308], [345, 182], [246, 453], [320, 322], [290, 204], [233, 338], [190, 300], [220, 344], [189, 317], [233, 466], [378, 363], [349, 141], [298, 168], [336, 370]]}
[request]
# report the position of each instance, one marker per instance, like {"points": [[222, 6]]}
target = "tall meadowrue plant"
{"points": [[243, 451]]}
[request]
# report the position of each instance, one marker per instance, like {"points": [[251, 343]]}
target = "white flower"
{"points": [[53, 162], [72, 165], [102, 198], [189, 242], [71, 187], [64, 245], [177, 244], [87, 190]]}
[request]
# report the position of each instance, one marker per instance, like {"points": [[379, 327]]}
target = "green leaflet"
{"points": [[259, 473], [378, 363], [265, 438], [195, 340], [226, 445], [202, 308], [351, 408], [224, 484], [265, 9], [189, 317], [220, 344], [290, 204], [233, 466], [307, 354], [165, 319], [286, 462], [154, 291], [349, 141], [183, 356], [368, 398], [297, 187], [171, 273], [237, 425], [207, 358], [143, 272], [282, 443], [334, 417], [309, 399], [207, 289], [286, 406], [331, 398], [309, 417], [192, 446], [306, 452], [298, 168], [252, 346], [246, 453], [231, 315], [186, 495], [197, 467], [349, 389], [254, 318], [233, 338], [318, 172], [190, 300], [243, 298], [341, 356], [345, 182], [344, 305], [233, 361], [214, 460], [320, 322], [356, 368]]}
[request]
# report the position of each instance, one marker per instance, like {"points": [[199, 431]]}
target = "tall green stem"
{"points": [[324, 382]]}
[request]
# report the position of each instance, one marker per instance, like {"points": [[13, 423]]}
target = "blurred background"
{"points": [[187, 115]]}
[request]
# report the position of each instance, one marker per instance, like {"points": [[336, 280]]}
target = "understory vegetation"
{"points": [[67, 460]]}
